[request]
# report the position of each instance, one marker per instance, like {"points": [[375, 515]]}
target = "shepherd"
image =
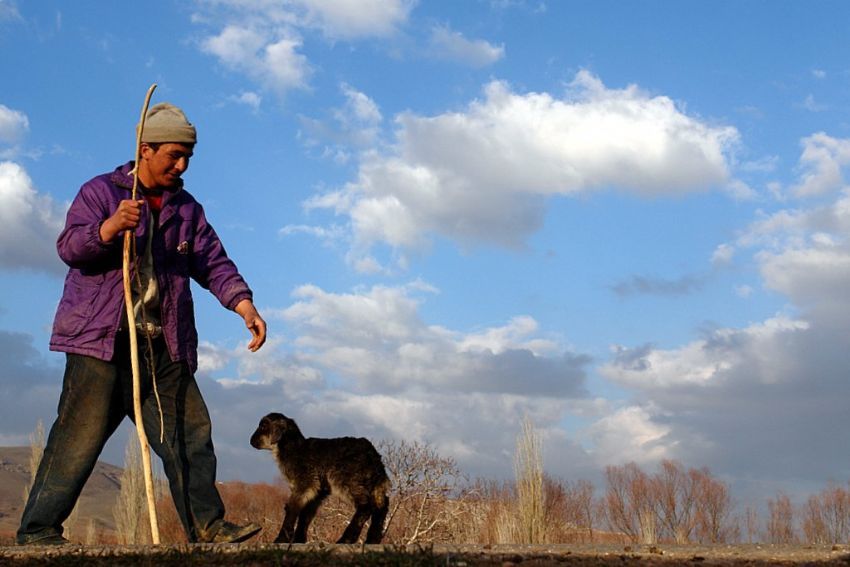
{"points": [[174, 242]]}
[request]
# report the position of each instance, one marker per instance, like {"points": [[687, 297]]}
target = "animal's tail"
{"points": [[379, 513]]}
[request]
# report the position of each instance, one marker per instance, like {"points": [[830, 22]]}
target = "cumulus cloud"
{"points": [[29, 223], [248, 98], [759, 402], [353, 126], [453, 46], [263, 40], [351, 19], [377, 342], [14, 125], [365, 363], [765, 400], [626, 435], [483, 175], [822, 162], [269, 58], [29, 387]]}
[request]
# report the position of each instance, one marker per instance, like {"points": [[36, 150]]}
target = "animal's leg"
{"points": [[376, 524], [308, 512], [355, 526], [287, 529]]}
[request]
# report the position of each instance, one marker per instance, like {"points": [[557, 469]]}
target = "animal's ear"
{"points": [[277, 429]]}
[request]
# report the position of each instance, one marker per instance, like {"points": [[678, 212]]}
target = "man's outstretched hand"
{"points": [[254, 322]]}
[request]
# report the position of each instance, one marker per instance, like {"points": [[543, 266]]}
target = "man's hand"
{"points": [[254, 322], [126, 216]]}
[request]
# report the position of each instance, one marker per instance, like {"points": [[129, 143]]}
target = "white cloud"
{"points": [[822, 162], [452, 45], [758, 401], [250, 99], [629, 434], [353, 126], [29, 223], [30, 387], [705, 362], [816, 278], [810, 104], [351, 19], [14, 125], [364, 363], [482, 175], [269, 58], [376, 341], [263, 39]]}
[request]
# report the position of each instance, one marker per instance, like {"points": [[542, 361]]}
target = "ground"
{"points": [[470, 555]]}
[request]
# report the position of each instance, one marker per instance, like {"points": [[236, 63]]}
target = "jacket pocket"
{"points": [[75, 307]]}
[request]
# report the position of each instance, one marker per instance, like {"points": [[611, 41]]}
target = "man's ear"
{"points": [[145, 151]]}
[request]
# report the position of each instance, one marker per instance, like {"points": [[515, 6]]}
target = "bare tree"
{"points": [[423, 483], [780, 523], [629, 503], [570, 511], [751, 522], [673, 493], [714, 520], [826, 516]]}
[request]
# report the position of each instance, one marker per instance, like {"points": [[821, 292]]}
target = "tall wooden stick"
{"points": [[134, 348]]}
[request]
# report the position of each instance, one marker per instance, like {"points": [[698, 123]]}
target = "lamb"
{"points": [[347, 466]]}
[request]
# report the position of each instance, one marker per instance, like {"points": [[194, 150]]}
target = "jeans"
{"points": [[96, 396]]}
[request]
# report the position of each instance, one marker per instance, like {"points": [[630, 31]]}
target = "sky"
{"points": [[627, 222]]}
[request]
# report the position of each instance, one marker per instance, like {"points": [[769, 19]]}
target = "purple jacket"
{"points": [[184, 246]]}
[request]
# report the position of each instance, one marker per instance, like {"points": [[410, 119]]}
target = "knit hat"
{"points": [[167, 123]]}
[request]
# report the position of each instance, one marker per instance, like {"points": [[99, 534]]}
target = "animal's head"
{"points": [[273, 429]]}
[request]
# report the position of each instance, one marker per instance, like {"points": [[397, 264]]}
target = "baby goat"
{"points": [[346, 466]]}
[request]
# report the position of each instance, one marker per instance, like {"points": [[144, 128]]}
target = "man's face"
{"points": [[162, 168]]}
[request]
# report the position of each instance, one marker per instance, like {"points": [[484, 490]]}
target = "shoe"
{"points": [[228, 532], [52, 539]]}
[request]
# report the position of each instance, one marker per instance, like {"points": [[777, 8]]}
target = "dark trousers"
{"points": [[96, 396]]}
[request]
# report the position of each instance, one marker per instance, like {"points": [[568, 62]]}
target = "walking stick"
{"points": [[134, 348]]}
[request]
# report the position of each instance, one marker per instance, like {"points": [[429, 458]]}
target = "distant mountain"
{"points": [[95, 504]]}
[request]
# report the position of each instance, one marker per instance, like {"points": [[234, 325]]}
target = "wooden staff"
{"points": [[134, 348]]}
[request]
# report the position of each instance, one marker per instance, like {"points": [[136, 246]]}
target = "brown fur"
{"points": [[350, 467]]}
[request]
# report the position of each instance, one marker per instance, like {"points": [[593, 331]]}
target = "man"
{"points": [[174, 242]]}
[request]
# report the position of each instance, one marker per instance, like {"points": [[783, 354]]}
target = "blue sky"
{"points": [[627, 221]]}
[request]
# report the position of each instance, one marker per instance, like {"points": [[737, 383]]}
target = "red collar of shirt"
{"points": [[154, 200]]}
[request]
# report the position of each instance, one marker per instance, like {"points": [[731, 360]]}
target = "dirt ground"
{"points": [[460, 556]]}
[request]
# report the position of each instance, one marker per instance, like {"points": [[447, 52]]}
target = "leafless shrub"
{"points": [[423, 485], [629, 503], [751, 524], [714, 522], [676, 504], [570, 511], [780, 523], [826, 516], [674, 492]]}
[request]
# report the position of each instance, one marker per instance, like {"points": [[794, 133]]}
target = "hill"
{"points": [[95, 504]]}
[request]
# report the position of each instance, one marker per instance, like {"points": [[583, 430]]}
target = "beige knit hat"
{"points": [[167, 123]]}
